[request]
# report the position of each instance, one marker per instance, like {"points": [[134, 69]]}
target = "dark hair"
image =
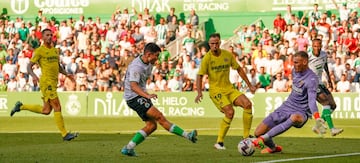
{"points": [[215, 35], [152, 48], [317, 40], [301, 54], [46, 29]]}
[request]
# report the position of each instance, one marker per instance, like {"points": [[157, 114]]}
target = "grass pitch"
{"points": [[29, 139]]}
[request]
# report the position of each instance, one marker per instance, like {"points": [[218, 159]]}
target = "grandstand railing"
{"points": [[175, 46], [234, 39]]}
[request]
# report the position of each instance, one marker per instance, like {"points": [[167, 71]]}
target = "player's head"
{"points": [[300, 61], [47, 36], [151, 53], [214, 43], [316, 47]]}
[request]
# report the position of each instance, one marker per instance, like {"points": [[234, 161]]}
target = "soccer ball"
{"points": [[246, 147]]}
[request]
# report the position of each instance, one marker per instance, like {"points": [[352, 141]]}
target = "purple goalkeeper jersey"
{"points": [[303, 94]]}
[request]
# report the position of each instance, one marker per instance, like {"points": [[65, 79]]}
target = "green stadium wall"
{"points": [[112, 104], [218, 15]]}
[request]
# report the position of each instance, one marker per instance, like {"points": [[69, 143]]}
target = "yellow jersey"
{"points": [[48, 60], [218, 70]]}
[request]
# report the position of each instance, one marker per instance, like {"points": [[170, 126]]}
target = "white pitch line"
{"points": [[310, 158]]}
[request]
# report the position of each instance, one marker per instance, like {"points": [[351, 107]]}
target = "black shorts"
{"points": [[322, 89], [141, 105]]}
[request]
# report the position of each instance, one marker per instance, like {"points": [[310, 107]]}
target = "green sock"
{"points": [[177, 130], [326, 115], [138, 138]]}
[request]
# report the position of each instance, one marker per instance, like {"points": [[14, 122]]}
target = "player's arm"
{"points": [[199, 87], [31, 72], [245, 78], [312, 92], [137, 89], [62, 70], [326, 68]]}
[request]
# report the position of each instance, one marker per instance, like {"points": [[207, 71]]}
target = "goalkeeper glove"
{"points": [[320, 126]]}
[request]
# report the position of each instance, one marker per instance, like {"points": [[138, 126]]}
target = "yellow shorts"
{"points": [[48, 92], [223, 98]]}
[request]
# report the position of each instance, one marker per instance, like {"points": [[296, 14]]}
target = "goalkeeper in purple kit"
{"points": [[295, 111]]}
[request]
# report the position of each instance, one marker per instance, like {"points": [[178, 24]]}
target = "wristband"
{"points": [[316, 115]]}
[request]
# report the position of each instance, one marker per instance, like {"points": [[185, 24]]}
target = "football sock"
{"points": [[247, 120], [178, 131], [326, 115], [32, 108], [138, 138], [224, 127], [60, 123], [269, 142], [282, 127]]}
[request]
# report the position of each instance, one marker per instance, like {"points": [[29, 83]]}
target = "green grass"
{"points": [[25, 139]]}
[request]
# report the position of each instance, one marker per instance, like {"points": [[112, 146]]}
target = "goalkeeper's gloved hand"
{"points": [[320, 126]]}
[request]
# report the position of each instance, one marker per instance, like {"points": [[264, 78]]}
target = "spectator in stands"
{"points": [[279, 23], [344, 12], [23, 32], [137, 35], [276, 65], [173, 26], [182, 29], [12, 84], [71, 67], [315, 14], [279, 85], [288, 65], [343, 85], [175, 83], [147, 14], [189, 43], [193, 20], [288, 14], [160, 83], [164, 55], [161, 30], [349, 72], [338, 69], [171, 15], [289, 83], [256, 53], [264, 79], [3, 85], [191, 72], [3, 55]]}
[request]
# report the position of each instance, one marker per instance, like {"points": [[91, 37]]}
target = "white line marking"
{"points": [[310, 158]]}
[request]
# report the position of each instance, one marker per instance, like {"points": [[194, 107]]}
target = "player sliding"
{"points": [[48, 58], [140, 101], [295, 111], [318, 63]]}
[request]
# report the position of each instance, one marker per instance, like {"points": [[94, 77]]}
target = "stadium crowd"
{"points": [[98, 52]]}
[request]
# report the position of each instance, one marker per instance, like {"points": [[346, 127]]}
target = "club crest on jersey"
{"points": [[226, 59]]}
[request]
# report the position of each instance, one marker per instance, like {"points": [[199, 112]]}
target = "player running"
{"points": [[216, 64], [318, 63], [48, 58], [139, 100], [295, 111]]}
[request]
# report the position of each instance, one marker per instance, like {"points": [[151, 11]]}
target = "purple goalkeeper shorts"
{"points": [[282, 114]]}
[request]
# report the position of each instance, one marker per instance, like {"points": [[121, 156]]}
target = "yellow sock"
{"points": [[247, 120], [32, 108], [60, 123], [224, 127]]}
